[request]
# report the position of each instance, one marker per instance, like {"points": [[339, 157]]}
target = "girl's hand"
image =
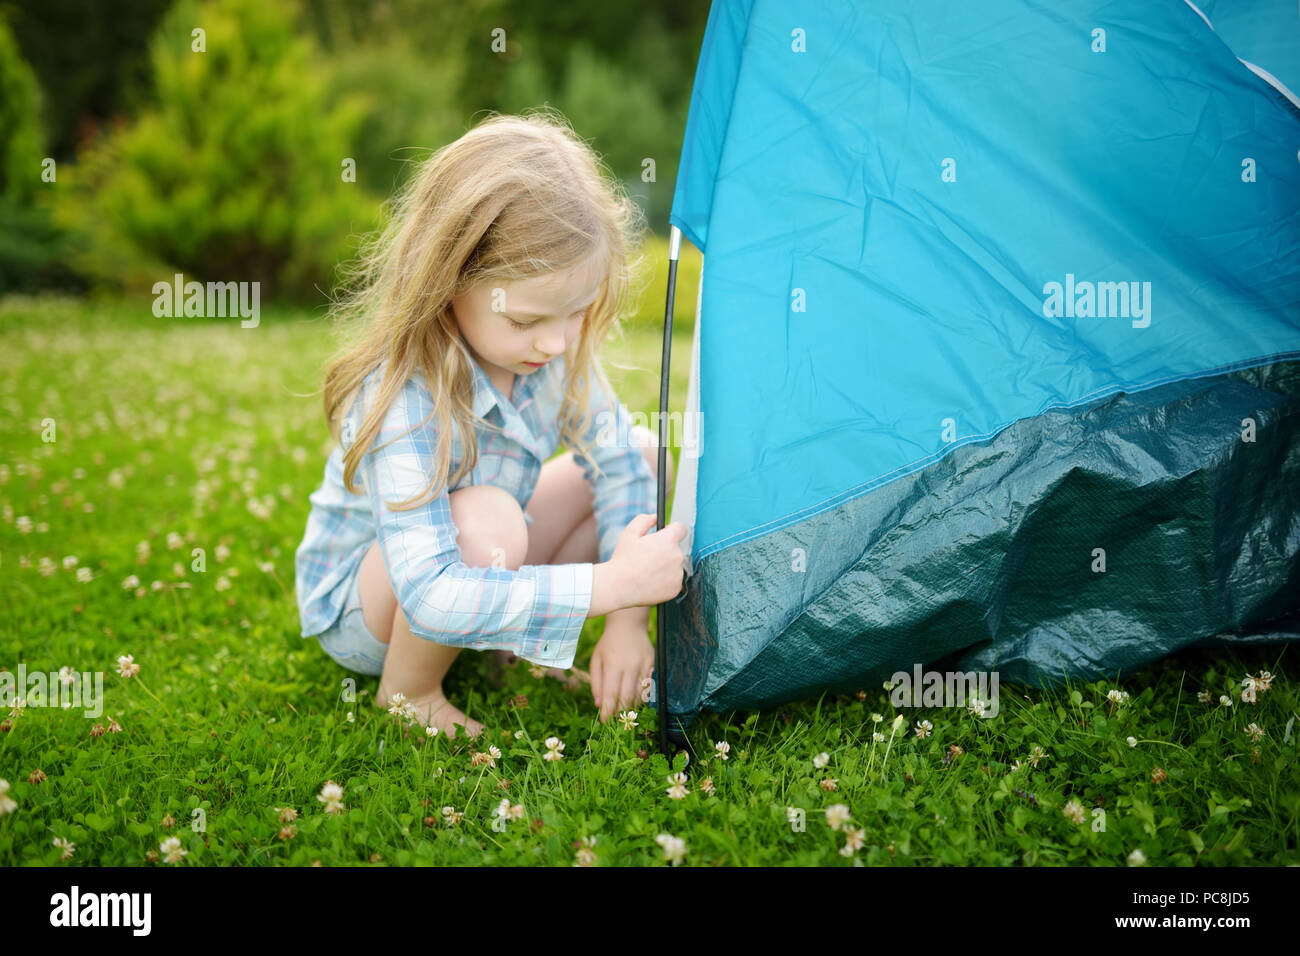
{"points": [[622, 657]]}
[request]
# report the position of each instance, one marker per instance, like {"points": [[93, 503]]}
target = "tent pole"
{"points": [[661, 642]]}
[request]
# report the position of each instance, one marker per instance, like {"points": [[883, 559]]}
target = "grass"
{"points": [[168, 431]]}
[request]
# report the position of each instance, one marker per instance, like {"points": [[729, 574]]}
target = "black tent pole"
{"points": [[661, 642]]}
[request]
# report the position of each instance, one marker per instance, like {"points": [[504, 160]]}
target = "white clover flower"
{"points": [[1225, 700], [130, 582], [172, 850], [554, 748], [722, 748], [586, 855], [821, 760], [7, 803], [837, 814], [174, 541], [47, 567], [84, 575], [451, 816], [1073, 811], [1205, 697], [878, 737], [627, 718], [854, 840], [126, 666], [331, 794], [1137, 858], [223, 583], [67, 675], [1132, 741], [876, 718], [1036, 754], [67, 846], [923, 728], [505, 810], [1117, 697], [1254, 732], [977, 707], [677, 790], [69, 562], [674, 847]]}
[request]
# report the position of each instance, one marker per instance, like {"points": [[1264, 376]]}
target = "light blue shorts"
{"points": [[349, 641]]}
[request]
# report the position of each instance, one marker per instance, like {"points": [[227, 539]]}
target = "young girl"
{"points": [[437, 526]]}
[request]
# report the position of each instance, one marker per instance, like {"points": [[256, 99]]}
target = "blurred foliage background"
{"points": [[126, 156]]}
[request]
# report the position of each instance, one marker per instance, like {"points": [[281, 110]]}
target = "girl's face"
{"points": [[508, 325]]}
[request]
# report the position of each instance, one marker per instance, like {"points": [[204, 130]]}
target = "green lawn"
{"points": [[184, 434]]}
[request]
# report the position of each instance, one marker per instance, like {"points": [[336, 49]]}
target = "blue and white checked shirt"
{"points": [[536, 612]]}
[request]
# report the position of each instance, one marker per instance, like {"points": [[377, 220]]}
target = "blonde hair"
{"points": [[515, 197]]}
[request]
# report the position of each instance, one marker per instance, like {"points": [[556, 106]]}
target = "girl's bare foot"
{"points": [[434, 709]]}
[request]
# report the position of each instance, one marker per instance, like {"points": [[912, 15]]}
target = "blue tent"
{"points": [[997, 350]]}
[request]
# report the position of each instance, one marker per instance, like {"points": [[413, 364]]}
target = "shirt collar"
{"points": [[486, 395]]}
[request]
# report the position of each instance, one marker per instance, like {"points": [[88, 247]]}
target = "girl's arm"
{"points": [[626, 486]]}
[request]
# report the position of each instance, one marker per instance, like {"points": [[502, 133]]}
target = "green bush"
{"points": [[21, 136], [411, 107], [235, 172], [32, 249]]}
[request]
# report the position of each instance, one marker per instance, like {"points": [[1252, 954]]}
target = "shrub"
{"points": [[234, 173]]}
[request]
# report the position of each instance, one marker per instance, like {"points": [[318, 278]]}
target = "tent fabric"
{"points": [[985, 289], [1263, 34]]}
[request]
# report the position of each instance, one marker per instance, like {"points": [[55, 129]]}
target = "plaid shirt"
{"points": [[536, 612]]}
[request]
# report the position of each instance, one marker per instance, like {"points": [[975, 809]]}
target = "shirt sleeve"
{"points": [[626, 488], [537, 612]]}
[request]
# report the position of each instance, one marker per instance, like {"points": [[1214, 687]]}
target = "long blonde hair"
{"points": [[515, 197]]}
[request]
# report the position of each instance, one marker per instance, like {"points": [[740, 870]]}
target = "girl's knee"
{"points": [[491, 531]]}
